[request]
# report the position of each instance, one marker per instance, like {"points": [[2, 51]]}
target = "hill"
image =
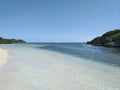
{"points": [[10, 41], [110, 39]]}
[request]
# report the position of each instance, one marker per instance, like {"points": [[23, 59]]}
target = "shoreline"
{"points": [[3, 56], [44, 69]]}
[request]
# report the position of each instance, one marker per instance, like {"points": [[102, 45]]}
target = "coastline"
{"points": [[48, 70], [3, 56]]}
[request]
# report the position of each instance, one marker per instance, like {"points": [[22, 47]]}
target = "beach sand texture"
{"points": [[3, 56], [32, 69]]}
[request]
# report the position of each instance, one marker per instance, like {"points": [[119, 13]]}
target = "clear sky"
{"points": [[58, 20]]}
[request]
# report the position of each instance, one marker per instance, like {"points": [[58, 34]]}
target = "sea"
{"points": [[98, 54], [60, 66]]}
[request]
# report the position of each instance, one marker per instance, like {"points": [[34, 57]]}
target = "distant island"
{"points": [[109, 39], [10, 41]]}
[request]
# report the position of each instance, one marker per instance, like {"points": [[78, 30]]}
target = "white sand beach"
{"points": [[3, 56], [32, 69]]}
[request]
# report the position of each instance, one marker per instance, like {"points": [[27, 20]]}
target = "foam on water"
{"points": [[33, 69]]}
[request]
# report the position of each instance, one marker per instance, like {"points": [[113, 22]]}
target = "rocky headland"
{"points": [[109, 39]]}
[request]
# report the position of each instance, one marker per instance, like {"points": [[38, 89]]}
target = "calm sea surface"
{"points": [[100, 54]]}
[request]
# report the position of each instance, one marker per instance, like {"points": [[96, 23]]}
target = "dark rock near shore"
{"points": [[109, 39]]}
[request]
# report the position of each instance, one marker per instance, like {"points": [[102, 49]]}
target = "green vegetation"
{"points": [[10, 41], [111, 38], [110, 33], [115, 37]]}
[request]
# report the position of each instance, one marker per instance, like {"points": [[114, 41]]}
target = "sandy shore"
{"points": [[35, 69], [3, 56]]}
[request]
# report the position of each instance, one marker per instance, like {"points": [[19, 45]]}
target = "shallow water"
{"points": [[35, 67], [99, 54]]}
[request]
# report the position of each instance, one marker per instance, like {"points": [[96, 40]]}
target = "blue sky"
{"points": [[58, 20]]}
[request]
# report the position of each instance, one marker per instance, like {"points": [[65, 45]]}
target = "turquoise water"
{"points": [[60, 66]]}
